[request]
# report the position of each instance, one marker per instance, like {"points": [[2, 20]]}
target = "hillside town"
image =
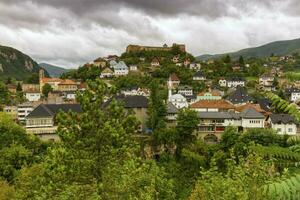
{"points": [[224, 92]]}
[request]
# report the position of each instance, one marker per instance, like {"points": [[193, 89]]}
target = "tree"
{"points": [[227, 59], [19, 87], [156, 109], [187, 123], [241, 61], [4, 95], [46, 89], [33, 79]]}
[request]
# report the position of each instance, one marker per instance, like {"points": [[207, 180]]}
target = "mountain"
{"points": [[279, 48], [54, 71], [15, 64]]}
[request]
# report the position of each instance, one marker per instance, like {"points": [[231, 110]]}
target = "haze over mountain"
{"points": [[54, 71], [280, 48]]}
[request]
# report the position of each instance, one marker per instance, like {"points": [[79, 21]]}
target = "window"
{"points": [[290, 130], [279, 129]]}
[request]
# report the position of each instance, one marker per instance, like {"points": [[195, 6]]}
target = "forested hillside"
{"points": [[279, 48], [15, 64]]}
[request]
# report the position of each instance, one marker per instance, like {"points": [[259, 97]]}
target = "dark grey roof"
{"points": [[240, 95], [171, 109], [291, 90], [185, 87], [199, 74], [215, 115], [265, 104], [236, 79], [50, 110], [134, 101], [251, 113], [282, 118]]}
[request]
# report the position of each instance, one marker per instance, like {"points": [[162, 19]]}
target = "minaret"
{"points": [[41, 76], [170, 86]]}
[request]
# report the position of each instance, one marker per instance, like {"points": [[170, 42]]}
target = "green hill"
{"points": [[54, 71], [15, 64], [278, 48]]}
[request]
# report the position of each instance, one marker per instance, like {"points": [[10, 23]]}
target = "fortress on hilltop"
{"points": [[136, 48]]}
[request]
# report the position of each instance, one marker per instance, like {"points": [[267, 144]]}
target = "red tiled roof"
{"points": [[222, 104], [174, 77], [254, 106]]}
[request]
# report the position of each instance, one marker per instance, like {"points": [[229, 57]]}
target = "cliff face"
{"points": [[15, 64], [136, 48]]}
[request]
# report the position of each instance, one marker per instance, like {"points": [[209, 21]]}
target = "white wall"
{"points": [[289, 129]]}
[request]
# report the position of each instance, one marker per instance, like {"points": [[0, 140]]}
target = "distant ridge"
{"points": [[54, 71], [279, 48]]}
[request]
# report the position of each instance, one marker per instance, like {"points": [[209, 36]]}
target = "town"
{"points": [[155, 122], [224, 92]]}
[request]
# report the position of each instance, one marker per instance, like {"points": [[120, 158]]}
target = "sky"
{"points": [[70, 33]]}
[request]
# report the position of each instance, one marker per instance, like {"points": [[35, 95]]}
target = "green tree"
{"points": [[241, 61], [46, 89], [187, 124], [19, 87], [33, 79]]}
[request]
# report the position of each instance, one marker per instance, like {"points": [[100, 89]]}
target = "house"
{"points": [[294, 94], [136, 104], [172, 113], [256, 107], [186, 62], [24, 110], [266, 83], [185, 90], [107, 73], [283, 124], [178, 100], [212, 106], [236, 81], [26, 87], [199, 76], [175, 59], [155, 62], [41, 121], [112, 57], [265, 104], [100, 62], [67, 85], [216, 122], [69, 95], [120, 69], [195, 66], [12, 111], [112, 63], [173, 81], [32, 95], [236, 68], [57, 84], [240, 96], [213, 95], [250, 118], [223, 82], [12, 88], [133, 91], [133, 67]]}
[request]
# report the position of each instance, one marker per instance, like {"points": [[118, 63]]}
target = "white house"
{"points": [[199, 76], [24, 110], [236, 81], [107, 73], [33, 95], [179, 101], [155, 62], [195, 66], [133, 67], [266, 82], [185, 90], [223, 82], [295, 94], [121, 69], [283, 124], [250, 118]]}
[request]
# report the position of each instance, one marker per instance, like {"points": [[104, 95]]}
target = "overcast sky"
{"points": [[73, 32]]}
